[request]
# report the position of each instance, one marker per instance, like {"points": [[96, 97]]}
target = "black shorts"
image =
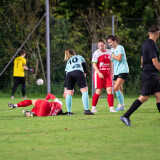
{"points": [[19, 80], [75, 77], [121, 75], [150, 83]]}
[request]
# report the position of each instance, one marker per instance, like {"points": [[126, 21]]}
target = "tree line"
{"points": [[73, 24]]}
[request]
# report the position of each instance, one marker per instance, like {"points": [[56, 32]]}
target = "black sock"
{"points": [[134, 106], [158, 106]]}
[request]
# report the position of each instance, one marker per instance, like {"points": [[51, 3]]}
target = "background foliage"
{"points": [[73, 24]]}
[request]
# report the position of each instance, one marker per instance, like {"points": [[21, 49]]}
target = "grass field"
{"points": [[80, 137]]}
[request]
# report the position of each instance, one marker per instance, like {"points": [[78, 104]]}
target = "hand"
{"points": [[31, 69], [100, 75]]}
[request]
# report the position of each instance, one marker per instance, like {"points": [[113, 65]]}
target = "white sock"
{"points": [[120, 105], [111, 108]]}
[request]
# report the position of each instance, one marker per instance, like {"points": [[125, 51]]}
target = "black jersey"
{"points": [[149, 51]]}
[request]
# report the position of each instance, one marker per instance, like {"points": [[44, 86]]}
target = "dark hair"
{"points": [[22, 52], [113, 38], [153, 28], [102, 40], [71, 51]]}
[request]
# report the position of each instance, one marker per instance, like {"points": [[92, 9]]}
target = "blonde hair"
{"points": [[68, 54]]}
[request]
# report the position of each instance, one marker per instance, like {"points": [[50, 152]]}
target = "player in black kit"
{"points": [[150, 67]]}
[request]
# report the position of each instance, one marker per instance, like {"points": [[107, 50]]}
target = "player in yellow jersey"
{"points": [[18, 73]]}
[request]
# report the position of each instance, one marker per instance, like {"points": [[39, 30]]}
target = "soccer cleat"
{"points": [[24, 97], [88, 112], [69, 113], [94, 109], [120, 108], [125, 120], [11, 105], [111, 109]]}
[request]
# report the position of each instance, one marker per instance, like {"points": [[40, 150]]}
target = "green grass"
{"points": [[80, 137]]}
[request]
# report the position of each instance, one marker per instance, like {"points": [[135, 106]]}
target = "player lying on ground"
{"points": [[42, 107]]}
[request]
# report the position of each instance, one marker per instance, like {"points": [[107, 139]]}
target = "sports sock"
{"points": [[69, 102], [24, 103], [134, 106], [95, 99], [110, 99], [122, 97], [119, 97], [85, 100], [158, 106]]}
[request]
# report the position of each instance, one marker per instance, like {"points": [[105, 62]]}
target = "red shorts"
{"points": [[102, 83]]}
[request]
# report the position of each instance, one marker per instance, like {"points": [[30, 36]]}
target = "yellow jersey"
{"points": [[18, 70]]}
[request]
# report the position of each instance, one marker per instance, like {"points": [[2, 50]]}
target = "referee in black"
{"points": [[150, 67]]}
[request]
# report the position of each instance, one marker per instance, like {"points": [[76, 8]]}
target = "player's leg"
{"points": [[70, 83], [110, 98], [85, 101], [24, 103], [136, 104], [23, 89], [118, 87], [109, 90], [16, 83], [69, 101], [157, 95], [95, 99], [98, 84]]}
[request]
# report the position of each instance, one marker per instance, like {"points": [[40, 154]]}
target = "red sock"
{"points": [[110, 99], [95, 99], [24, 103]]}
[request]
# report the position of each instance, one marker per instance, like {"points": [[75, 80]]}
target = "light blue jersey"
{"points": [[120, 66], [75, 63]]}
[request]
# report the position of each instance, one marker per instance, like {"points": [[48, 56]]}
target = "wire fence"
{"points": [[78, 34]]}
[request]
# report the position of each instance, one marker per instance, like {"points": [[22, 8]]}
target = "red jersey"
{"points": [[46, 108], [102, 59]]}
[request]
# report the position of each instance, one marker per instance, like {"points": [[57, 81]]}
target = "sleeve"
{"points": [[95, 57], [50, 96], [34, 110], [120, 50], [152, 50], [24, 62], [84, 67]]}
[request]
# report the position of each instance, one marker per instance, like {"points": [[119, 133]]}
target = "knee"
{"points": [[24, 87], [143, 98], [34, 101], [98, 91], [70, 92], [116, 89]]}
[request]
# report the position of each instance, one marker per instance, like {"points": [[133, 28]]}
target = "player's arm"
{"points": [[28, 69], [25, 67], [118, 58], [97, 70], [84, 65], [53, 97], [141, 61], [111, 68], [156, 63], [50, 96]]}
